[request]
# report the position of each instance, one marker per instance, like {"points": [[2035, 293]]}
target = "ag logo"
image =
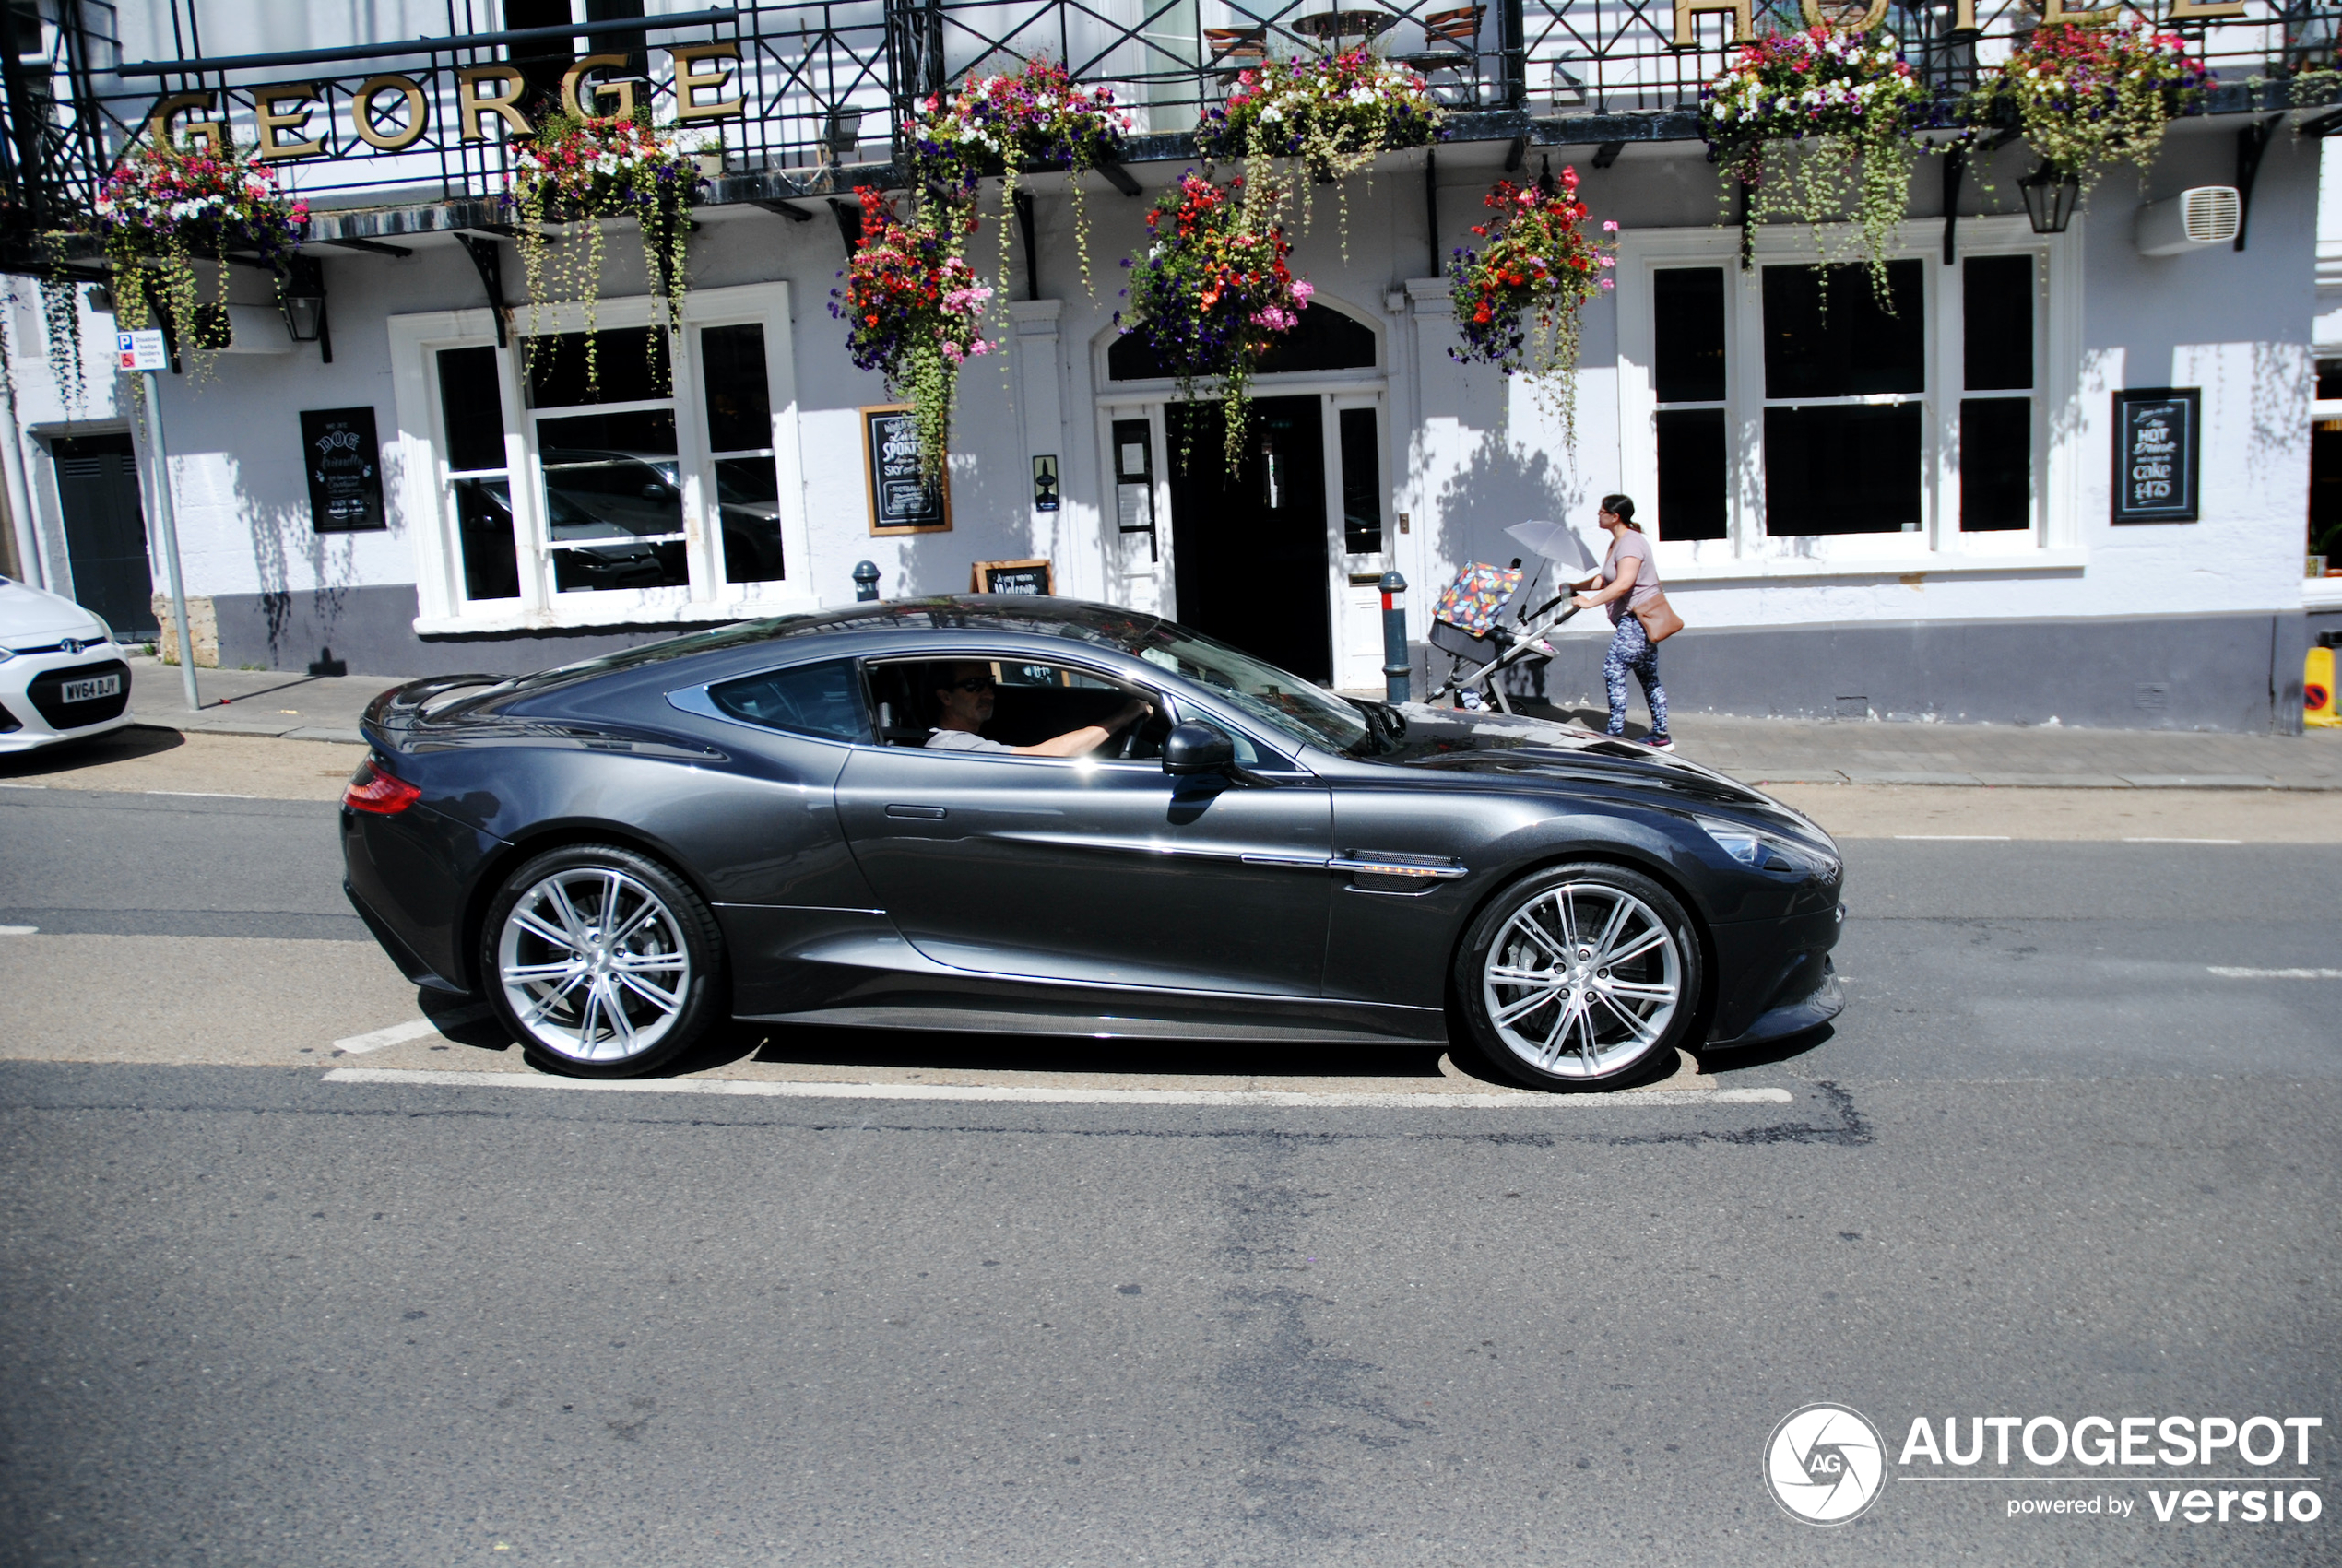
{"points": [[1826, 1464]]}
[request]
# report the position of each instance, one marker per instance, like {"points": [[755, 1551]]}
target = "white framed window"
{"points": [[643, 494], [1781, 419]]}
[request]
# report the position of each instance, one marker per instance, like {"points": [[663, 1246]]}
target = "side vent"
{"points": [[2196, 219]]}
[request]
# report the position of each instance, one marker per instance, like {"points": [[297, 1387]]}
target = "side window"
{"points": [[824, 700], [1013, 703]]}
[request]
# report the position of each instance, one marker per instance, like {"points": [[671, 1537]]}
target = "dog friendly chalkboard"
{"points": [[901, 503], [1010, 577], [345, 469], [2158, 438]]}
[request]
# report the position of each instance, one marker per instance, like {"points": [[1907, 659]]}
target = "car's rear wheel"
{"points": [[602, 962], [1578, 977]]}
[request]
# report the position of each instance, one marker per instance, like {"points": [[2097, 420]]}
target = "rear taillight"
{"points": [[371, 789]]}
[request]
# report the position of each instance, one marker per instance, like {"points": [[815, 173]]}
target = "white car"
{"points": [[61, 674]]}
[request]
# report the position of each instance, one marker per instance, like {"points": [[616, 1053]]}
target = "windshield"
{"points": [[1296, 707]]}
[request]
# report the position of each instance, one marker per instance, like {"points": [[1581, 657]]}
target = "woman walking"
{"points": [[1632, 581]]}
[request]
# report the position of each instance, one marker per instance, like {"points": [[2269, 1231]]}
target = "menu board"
{"points": [[900, 501], [1010, 577], [2158, 440], [345, 470]]}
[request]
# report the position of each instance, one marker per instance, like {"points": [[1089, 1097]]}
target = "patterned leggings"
{"points": [[1630, 649]]}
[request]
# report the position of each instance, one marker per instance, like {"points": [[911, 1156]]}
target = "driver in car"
{"points": [[963, 701]]}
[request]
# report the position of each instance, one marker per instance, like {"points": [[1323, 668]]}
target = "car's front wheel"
{"points": [[1578, 977], [602, 962]]}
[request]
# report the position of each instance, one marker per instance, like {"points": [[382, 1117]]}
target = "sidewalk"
{"points": [[1758, 750]]}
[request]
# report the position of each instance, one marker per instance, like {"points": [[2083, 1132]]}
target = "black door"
{"points": [[106, 532], [1250, 546]]}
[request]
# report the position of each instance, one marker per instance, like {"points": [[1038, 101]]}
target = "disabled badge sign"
{"points": [[142, 350]]}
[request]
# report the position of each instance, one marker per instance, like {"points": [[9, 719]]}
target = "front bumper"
{"points": [[1774, 977], [33, 711]]}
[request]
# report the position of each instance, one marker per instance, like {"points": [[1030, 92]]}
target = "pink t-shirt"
{"points": [[1630, 547]]}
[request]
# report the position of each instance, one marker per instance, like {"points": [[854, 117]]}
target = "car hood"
{"points": [[29, 613], [1541, 752]]}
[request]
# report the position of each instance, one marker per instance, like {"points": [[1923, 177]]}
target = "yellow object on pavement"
{"points": [[2317, 690]]}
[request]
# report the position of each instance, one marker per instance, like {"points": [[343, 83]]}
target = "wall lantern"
{"points": [[2050, 198], [303, 295]]}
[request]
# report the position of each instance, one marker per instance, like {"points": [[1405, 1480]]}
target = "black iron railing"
{"points": [[824, 85]]}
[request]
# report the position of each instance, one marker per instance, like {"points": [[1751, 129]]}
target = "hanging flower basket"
{"points": [[1211, 296], [581, 172], [2087, 97], [164, 206], [913, 309], [1034, 118], [1518, 296], [1333, 114], [1802, 120]]}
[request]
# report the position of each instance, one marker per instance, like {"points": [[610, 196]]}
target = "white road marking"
{"points": [[22, 786], [19, 930], [203, 794], [1020, 1094], [2183, 840], [413, 1029], [2276, 973], [1957, 837]]}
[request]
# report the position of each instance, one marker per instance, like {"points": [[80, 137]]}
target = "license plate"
{"points": [[95, 687]]}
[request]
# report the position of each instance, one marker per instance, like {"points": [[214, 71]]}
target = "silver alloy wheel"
{"points": [[1582, 979], [593, 965]]}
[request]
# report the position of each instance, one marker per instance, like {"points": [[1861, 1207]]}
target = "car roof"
{"points": [[855, 628]]}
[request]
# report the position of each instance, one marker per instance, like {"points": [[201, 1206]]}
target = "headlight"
{"points": [[1761, 851]]}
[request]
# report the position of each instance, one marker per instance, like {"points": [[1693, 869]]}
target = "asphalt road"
{"points": [[2051, 1163]]}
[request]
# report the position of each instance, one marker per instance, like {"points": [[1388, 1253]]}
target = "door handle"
{"points": [[918, 813]]}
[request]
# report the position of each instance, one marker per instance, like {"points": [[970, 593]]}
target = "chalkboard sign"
{"points": [[345, 469], [1010, 577], [2157, 438], [901, 503]]}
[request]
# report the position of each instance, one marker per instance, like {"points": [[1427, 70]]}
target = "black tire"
{"points": [[546, 933], [1541, 1002]]}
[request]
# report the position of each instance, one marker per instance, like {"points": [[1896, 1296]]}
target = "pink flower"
{"points": [[1303, 289], [1610, 226]]}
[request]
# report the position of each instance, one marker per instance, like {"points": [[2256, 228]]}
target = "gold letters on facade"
{"points": [[574, 78], [283, 110], [1871, 19], [1686, 28], [361, 113]]}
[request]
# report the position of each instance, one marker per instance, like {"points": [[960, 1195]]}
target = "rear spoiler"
{"points": [[390, 718]]}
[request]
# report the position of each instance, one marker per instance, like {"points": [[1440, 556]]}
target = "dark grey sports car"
{"points": [[870, 817]]}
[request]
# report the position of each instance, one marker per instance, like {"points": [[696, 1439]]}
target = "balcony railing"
{"points": [[824, 84]]}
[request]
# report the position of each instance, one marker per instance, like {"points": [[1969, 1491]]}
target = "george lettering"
{"points": [[268, 121], [369, 127], [471, 102]]}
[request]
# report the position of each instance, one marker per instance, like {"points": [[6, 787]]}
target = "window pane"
{"points": [[1831, 338], [598, 567], [474, 408], [557, 369], [484, 531], [1844, 469], [610, 475], [1998, 293], [2329, 380], [1691, 474], [824, 698], [1995, 463], [748, 499], [1687, 322], [739, 405], [1361, 483]]}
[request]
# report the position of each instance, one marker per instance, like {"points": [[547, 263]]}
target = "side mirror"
{"points": [[1198, 748]]}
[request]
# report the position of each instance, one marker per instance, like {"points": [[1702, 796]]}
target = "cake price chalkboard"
{"points": [[900, 501], [345, 469]]}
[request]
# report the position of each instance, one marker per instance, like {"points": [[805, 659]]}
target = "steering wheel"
{"points": [[1131, 733]]}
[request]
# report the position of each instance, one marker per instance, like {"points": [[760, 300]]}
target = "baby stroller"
{"points": [[1492, 618]]}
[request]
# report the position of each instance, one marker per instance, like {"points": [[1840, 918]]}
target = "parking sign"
{"points": [[142, 350]]}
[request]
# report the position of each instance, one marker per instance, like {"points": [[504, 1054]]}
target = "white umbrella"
{"points": [[1558, 542]]}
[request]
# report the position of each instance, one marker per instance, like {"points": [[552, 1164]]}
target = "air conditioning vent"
{"points": [[2196, 219]]}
